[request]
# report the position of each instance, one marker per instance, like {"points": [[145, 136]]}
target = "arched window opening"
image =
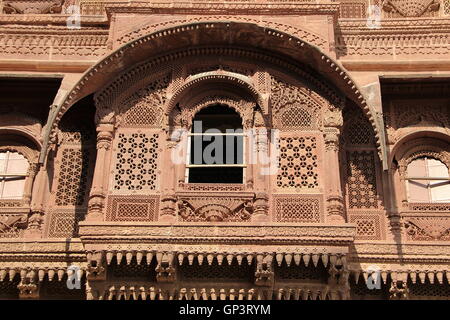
{"points": [[428, 181], [13, 173], [216, 150]]}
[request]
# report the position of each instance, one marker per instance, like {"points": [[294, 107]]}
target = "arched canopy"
{"points": [[417, 140], [161, 44]]}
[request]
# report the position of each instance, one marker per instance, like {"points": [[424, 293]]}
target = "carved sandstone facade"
{"points": [[96, 174]]}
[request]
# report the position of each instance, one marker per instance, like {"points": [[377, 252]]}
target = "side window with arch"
{"points": [[216, 147], [13, 173], [428, 181]]}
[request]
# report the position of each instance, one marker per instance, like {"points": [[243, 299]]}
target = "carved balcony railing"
{"points": [[13, 218]]}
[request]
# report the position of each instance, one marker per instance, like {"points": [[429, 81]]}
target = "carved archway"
{"points": [[277, 46]]}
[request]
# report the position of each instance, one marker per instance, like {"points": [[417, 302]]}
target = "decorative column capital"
{"points": [[261, 207], [169, 208], [335, 208], [33, 169], [333, 118], [331, 138], [104, 136]]}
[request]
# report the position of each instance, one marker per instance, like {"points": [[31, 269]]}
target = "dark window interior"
{"points": [[214, 133]]}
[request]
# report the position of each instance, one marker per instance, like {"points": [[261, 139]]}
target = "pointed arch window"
{"points": [[428, 181], [216, 147], [13, 173]]}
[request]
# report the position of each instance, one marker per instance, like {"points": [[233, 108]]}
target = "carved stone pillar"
{"points": [[98, 192], [334, 201], [261, 174], [400, 187], [394, 216], [173, 159], [39, 190], [31, 174]]}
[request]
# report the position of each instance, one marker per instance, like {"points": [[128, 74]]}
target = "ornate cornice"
{"points": [[60, 19], [216, 233], [401, 24], [398, 253], [227, 7]]}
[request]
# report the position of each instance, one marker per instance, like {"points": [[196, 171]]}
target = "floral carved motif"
{"points": [[293, 107], [145, 106], [183, 117], [410, 8], [427, 228], [11, 226], [29, 6], [214, 209]]}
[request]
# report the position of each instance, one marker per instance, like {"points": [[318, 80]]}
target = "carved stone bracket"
{"points": [[264, 274], [165, 267], [29, 285], [338, 277], [96, 269], [399, 291]]}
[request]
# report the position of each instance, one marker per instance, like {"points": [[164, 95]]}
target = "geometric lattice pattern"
{"points": [[368, 226], [359, 132], [298, 117], [297, 209], [55, 290], [222, 272], [145, 106], [447, 7], [136, 162], [298, 163], [310, 272], [132, 208], [431, 291], [362, 188], [430, 207], [8, 289], [360, 291], [352, 9], [133, 270], [73, 177], [64, 223]]}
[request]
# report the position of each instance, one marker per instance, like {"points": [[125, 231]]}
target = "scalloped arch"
{"points": [[248, 35]]}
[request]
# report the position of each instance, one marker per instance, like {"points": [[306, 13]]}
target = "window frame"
{"points": [[429, 187], [4, 174], [188, 164]]}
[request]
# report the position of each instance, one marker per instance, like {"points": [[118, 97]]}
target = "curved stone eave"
{"points": [[221, 33]]}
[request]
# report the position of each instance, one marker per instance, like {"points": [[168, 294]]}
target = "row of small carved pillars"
{"points": [[403, 276], [130, 292]]}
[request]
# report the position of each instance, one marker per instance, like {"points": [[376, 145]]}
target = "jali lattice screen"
{"points": [[136, 162]]}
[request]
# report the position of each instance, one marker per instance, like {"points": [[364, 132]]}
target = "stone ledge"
{"points": [[91, 232], [399, 65], [79, 66]]}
